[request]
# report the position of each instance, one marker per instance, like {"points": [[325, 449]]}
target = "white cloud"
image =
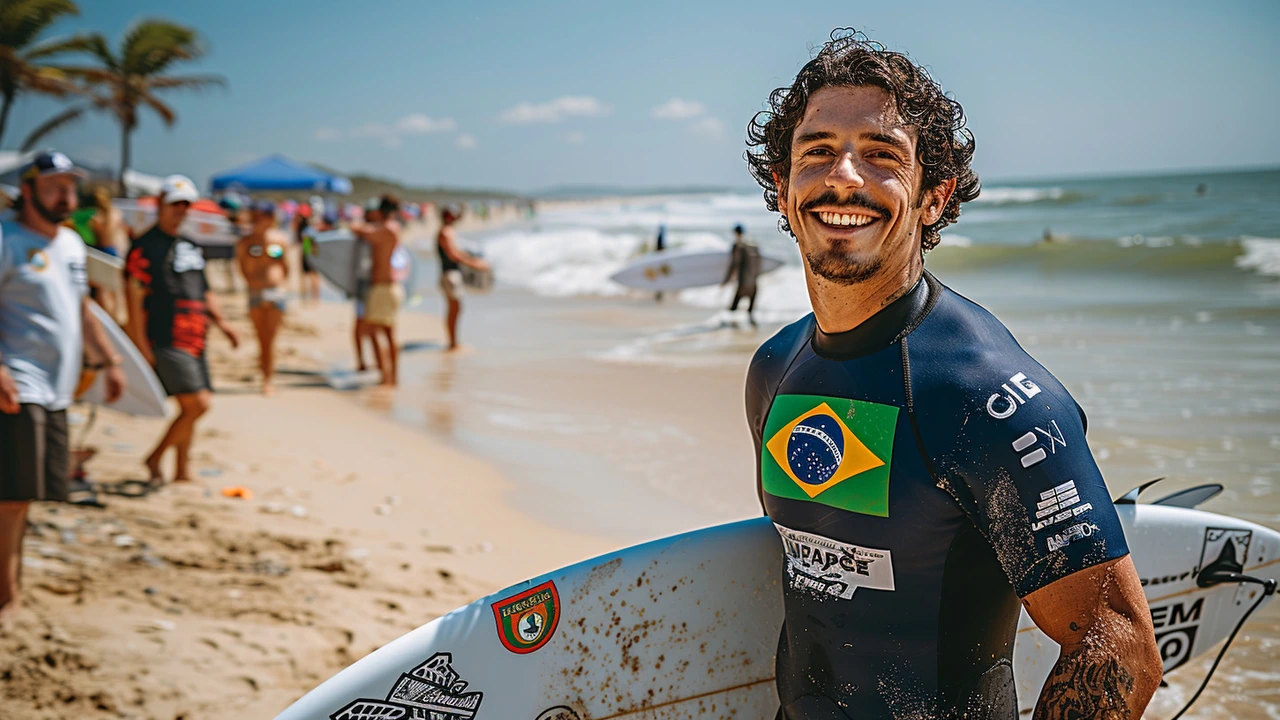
{"points": [[708, 127], [419, 124], [677, 109], [375, 131], [554, 110], [392, 135], [574, 137], [465, 142]]}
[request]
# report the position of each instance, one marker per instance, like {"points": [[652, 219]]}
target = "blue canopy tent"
{"points": [[277, 172]]}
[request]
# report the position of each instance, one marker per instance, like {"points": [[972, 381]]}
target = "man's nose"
{"points": [[844, 174]]}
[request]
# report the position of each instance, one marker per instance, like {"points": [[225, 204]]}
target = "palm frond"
{"points": [[57, 122], [165, 112], [186, 82], [22, 21], [151, 46], [64, 45]]}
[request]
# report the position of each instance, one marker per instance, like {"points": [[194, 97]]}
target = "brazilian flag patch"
{"points": [[830, 450]]}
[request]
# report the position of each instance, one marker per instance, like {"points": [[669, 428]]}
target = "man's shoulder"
{"points": [[776, 352]]}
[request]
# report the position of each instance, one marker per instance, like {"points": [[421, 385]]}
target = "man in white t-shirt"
{"points": [[45, 328]]}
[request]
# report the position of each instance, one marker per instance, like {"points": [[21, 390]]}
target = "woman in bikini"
{"points": [[260, 256]]}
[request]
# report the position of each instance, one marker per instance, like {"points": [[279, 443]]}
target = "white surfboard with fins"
{"points": [[687, 627]]}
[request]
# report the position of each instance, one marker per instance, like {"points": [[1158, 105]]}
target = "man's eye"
{"points": [[884, 155], [817, 151]]}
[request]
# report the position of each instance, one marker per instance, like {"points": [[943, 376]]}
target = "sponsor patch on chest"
{"points": [[822, 566]]}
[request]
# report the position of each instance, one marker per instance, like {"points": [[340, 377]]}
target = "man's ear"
{"points": [[937, 201]]}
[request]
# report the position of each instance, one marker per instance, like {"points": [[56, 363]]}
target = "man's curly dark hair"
{"points": [[944, 146]]}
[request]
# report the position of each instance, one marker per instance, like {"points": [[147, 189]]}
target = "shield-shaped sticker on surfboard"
{"points": [[527, 621]]}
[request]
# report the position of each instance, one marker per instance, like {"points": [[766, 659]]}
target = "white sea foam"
{"points": [[1008, 195], [1261, 255]]}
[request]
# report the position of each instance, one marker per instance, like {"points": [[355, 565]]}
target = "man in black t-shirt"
{"points": [[169, 309]]}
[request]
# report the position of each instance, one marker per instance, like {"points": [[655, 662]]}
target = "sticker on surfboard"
{"points": [[527, 621]]}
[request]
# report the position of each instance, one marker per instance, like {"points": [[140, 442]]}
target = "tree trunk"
{"points": [[125, 131], [4, 113]]}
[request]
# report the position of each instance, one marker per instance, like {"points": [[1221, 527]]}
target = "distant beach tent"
{"points": [[277, 172]]}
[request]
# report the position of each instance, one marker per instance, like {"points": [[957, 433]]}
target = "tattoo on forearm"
{"points": [[1086, 684]]}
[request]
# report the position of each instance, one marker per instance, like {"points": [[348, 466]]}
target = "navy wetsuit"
{"points": [[924, 472]]}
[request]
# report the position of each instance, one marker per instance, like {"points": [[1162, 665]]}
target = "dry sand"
{"points": [[189, 604]]}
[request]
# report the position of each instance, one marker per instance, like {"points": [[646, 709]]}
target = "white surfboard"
{"points": [[143, 394], [338, 260], [105, 271], [687, 627], [677, 270]]}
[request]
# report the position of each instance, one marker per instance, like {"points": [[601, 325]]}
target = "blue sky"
{"points": [[526, 96]]}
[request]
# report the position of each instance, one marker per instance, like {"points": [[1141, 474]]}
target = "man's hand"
{"points": [[231, 335], [1109, 666], [9, 403], [116, 383]]}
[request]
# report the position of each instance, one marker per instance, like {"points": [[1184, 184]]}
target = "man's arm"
{"points": [[99, 346], [1109, 666], [136, 318], [459, 255], [215, 314]]}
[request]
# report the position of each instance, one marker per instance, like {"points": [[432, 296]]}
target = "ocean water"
{"points": [[1157, 304]]}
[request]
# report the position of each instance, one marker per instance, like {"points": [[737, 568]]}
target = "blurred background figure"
{"points": [[452, 258], [744, 265]]}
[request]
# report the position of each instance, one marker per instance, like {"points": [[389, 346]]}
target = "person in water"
{"points": [[928, 478], [744, 264], [260, 255], [452, 259]]}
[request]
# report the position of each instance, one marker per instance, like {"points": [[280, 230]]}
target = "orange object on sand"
{"points": [[238, 491]]}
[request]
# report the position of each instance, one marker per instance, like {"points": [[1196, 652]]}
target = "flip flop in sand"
{"points": [[129, 488]]}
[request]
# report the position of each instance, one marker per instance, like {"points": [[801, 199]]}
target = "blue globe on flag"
{"points": [[816, 449]]}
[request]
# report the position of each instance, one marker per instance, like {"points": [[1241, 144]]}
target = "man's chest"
{"points": [[846, 484]]}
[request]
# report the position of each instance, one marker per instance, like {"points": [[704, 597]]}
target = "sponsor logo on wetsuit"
{"points": [[431, 690], [526, 621], [823, 566], [1039, 438], [1058, 504], [1079, 531], [834, 451], [1016, 393]]}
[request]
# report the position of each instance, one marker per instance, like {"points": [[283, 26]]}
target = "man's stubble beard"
{"points": [[835, 267], [56, 215]]}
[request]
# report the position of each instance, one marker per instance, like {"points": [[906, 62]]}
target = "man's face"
{"points": [[171, 215], [851, 196], [53, 197]]}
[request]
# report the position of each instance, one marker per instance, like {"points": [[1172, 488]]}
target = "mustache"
{"points": [[856, 201]]}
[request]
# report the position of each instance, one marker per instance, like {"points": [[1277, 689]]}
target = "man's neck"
{"points": [[38, 224], [171, 232], [839, 308]]}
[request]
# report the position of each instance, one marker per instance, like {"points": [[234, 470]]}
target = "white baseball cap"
{"points": [[177, 188]]}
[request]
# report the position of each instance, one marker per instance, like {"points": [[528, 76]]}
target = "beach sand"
{"points": [[189, 604]]}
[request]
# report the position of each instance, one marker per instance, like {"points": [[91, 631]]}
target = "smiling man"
{"points": [[926, 475]]}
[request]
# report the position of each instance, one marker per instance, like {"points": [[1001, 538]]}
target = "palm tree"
{"points": [[130, 79], [21, 23]]}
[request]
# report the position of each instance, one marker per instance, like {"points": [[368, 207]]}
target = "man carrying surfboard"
{"points": [[170, 304], [452, 258], [927, 477], [385, 294], [46, 330]]}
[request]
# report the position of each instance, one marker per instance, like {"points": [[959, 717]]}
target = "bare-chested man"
{"points": [[260, 256], [385, 294]]}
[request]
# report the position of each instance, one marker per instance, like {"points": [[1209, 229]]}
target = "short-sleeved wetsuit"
{"points": [[924, 472]]}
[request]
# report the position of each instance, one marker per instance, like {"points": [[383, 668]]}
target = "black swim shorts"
{"points": [[35, 460], [180, 372]]}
